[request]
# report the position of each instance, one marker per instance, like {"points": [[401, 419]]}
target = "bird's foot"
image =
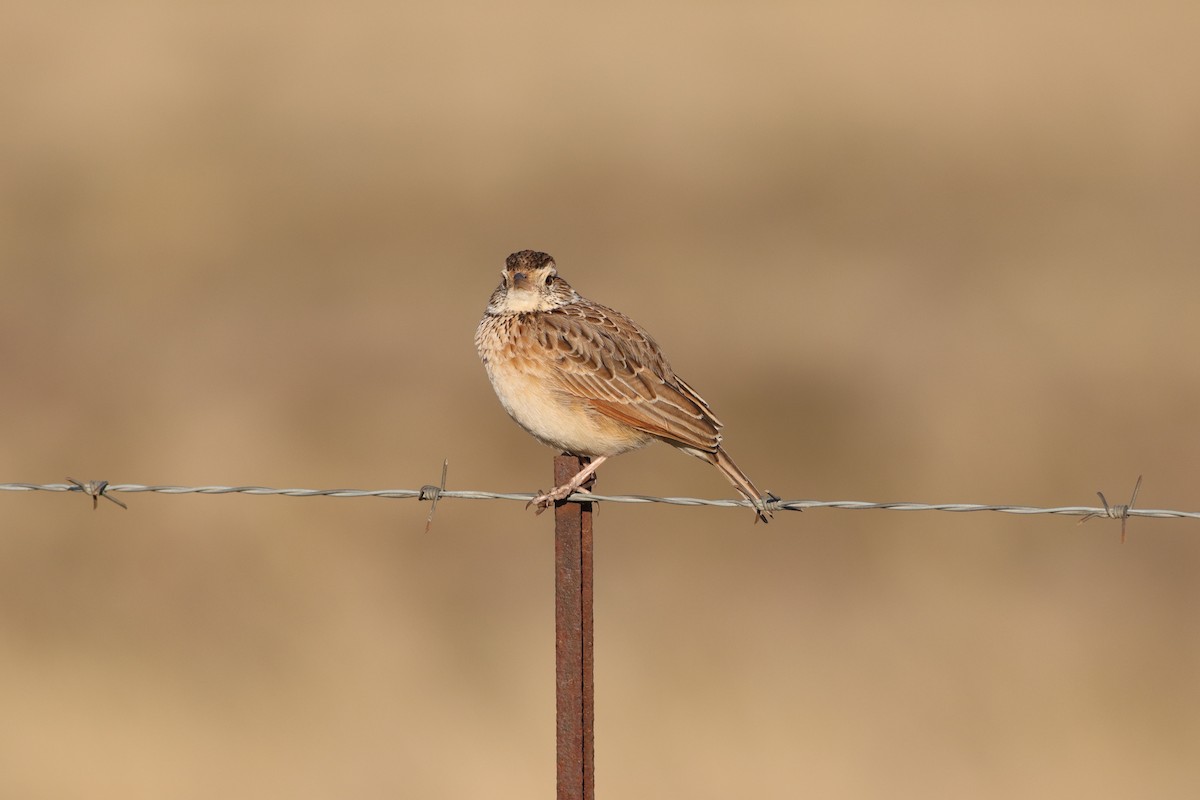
{"points": [[546, 499], [582, 482]]}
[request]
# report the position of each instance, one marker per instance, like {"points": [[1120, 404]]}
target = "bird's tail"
{"points": [[723, 462]]}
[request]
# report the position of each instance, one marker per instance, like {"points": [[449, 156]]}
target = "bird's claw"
{"points": [[546, 499]]}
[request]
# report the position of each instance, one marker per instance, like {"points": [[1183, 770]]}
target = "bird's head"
{"points": [[530, 283]]}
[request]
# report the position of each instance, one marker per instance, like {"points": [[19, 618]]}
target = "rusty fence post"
{"points": [[573, 639]]}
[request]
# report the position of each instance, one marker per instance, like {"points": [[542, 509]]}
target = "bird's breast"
{"points": [[524, 377]]}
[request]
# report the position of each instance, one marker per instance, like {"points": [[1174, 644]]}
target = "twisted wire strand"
{"points": [[429, 492]]}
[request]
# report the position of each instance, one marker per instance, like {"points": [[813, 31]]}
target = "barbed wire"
{"points": [[98, 489]]}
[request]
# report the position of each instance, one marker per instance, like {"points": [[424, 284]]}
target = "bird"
{"points": [[587, 380]]}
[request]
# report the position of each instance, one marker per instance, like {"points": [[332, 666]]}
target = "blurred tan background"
{"points": [[908, 252]]}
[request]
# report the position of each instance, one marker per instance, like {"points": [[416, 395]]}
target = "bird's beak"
{"points": [[519, 279]]}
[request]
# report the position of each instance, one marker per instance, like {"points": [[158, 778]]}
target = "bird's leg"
{"points": [[584, 476]]}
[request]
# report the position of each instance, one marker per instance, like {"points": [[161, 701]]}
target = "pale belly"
{"points": [[558, 419]]}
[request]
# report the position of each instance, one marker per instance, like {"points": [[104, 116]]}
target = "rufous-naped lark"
{"points": [[588, 380]]}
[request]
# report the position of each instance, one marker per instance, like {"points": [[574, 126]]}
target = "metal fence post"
{"points": [[573, 639]]}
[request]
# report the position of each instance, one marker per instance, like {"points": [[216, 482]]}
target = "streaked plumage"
{"points": [[588, 380]]}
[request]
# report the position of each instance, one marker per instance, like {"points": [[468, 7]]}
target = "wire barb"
{"points": [[433, 494], [1120, 512], [96, 489]]}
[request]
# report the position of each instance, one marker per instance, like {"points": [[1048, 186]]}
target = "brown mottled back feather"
{"points": [[607, 360]]}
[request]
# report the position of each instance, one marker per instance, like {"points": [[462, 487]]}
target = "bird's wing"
{"points": [[605, 359]]}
